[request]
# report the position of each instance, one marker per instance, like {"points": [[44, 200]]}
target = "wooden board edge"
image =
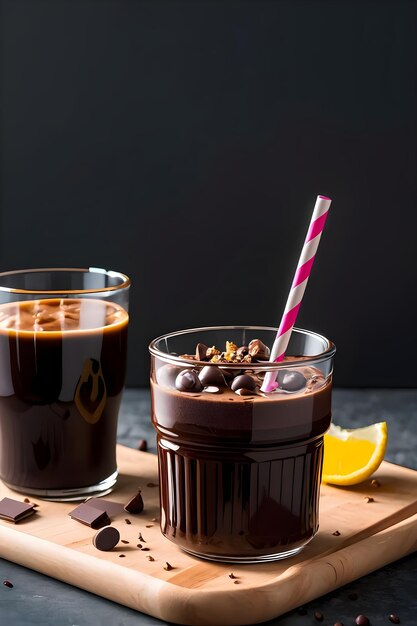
{"points": [[198, 607]]}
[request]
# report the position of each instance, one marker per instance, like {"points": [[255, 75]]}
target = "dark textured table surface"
{"points": [[38, 600]]}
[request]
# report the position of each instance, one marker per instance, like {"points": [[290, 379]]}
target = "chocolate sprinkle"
{"points": [[149, 526], [145, 549], [139, 545], [7, 583], [124, 541]]}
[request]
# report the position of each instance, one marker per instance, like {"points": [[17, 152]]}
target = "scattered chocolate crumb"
{"points": [[35, 505], [231, 575], [150, 558], [149, 526], [141, 538], [26, 500], [368, 499], [139, 545], [375, 483], [302, 610], [394, 619], [7, 583], [128, 521], [145, 549], [122, 556], [143, 445], [362, 620], [152, 484], [168, 567], [318, 616], [353, 596], [336, 533], [236, 582], [135, 504], [124, 541]]}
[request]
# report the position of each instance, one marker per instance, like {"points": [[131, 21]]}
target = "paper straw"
{"points": [[302, 273]]}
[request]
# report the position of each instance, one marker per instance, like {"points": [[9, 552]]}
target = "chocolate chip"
{"points": [[211, 376], [124, 541], [302, 610], [166, 375], [394, 619], [188, 381], [289, 380], [375, 483], [135, 505], [14, 510], [143, 445], [128, 521], [318, 616], [168, 567], [258, 350], [90, 516], [211, 390], [353, 596], [201, 352], [362, 620], [139, 545], [369, 499], [150, 558], [106, 538], [244, 381], [336, 533], [7, 583]]}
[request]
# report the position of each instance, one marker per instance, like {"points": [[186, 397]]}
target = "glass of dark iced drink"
{"points": [[240, 469], [63, 341]]}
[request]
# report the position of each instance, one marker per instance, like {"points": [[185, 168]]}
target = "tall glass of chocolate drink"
{"points": [[239, 468], [63, 341]]}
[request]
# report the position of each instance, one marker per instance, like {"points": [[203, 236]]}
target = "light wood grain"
{"points": [[199, 592]]}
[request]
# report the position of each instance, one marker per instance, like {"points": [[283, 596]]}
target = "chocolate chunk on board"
{"points": [[106, 539], [14, 510], [109, 506], [90, 516], [135, 505]]}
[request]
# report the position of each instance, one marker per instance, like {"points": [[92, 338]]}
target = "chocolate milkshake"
{"points": [[240, 469]]}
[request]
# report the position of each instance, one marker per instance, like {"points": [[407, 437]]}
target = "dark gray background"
{"points": [[184, 144]]}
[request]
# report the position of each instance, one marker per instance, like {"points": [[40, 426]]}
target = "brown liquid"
{"points": [[63, 367], [240, 477]]}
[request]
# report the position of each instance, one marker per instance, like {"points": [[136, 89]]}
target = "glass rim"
{"points": [[263, 365], [126, 282]]}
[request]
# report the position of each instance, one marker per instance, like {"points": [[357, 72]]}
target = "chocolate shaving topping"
{"points": [[124, 541], [141, 538], [135, 505], [14, 510], [145, 549], [128, 521], [90, 516], [168, 567], [150, 558]]}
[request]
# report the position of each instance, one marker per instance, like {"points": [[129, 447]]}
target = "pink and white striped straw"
{"points": [[299, 284]]}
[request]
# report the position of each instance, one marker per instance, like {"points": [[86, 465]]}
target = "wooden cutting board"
{"points": [[200, 592]]}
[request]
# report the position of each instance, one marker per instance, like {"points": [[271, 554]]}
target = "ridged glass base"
{"points": [[244, 559], [68, 495]]}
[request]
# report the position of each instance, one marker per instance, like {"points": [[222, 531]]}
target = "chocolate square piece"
{"points": [[109, 506], [90, 516], [14, 510]]}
